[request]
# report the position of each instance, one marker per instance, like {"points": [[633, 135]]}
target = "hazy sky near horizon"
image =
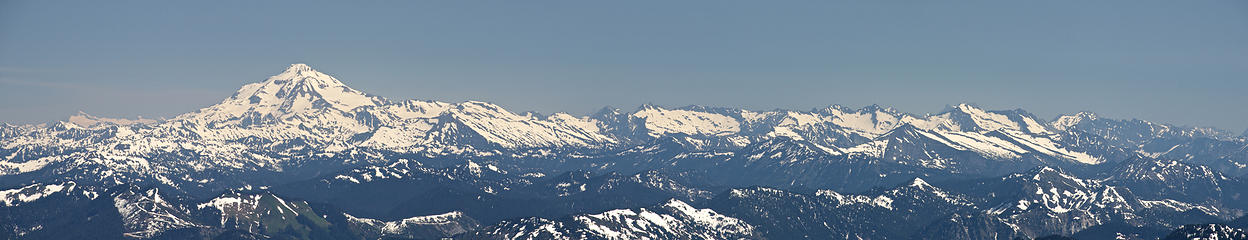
{"points": [[1181, 62]]}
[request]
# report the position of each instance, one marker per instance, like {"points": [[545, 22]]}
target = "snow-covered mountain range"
{"points": [[458, 169]]}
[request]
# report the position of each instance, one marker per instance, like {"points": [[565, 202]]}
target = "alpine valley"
{"points": [[301, 155]]}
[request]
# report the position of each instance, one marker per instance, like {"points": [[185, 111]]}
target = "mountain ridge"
{"points": [[318, 158]]}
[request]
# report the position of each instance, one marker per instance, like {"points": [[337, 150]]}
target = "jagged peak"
{"points": [[963, 107], [969, 109], [836, 107], [1047, 169], [920, 183], [1050, 174], [299, 67], [878, 108], [833, 109], [1065, 122], [1036, 172], [970, 117], [873, 108], [1082, 115], [679, 205], [650, 106], [1085, 114], [976, 110]]}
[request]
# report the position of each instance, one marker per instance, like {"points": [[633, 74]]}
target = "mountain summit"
{"points": [[300, 90]]}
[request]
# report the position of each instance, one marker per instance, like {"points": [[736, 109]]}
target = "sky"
{"points": [[1179, 62]]}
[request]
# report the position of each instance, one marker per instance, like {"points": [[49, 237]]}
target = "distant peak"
{"points": [[1088, 115], [84, 119], [1079, 115], [299, 67], [650, 106], [83, 114], [918, 182], [300, 71], [679, 205], [962, 108], [873, 108], [1047, 170], [1065, 122], [297, 90], [966, 107], [608, 110]]}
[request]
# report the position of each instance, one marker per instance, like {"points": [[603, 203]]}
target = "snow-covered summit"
{"points": [[673, 219], [1067, 121], [82, 119], [296, 91], [967, 117], [919, 183]]}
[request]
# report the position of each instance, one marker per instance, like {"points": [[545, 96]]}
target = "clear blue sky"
{"points": [[1182, 62]]}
